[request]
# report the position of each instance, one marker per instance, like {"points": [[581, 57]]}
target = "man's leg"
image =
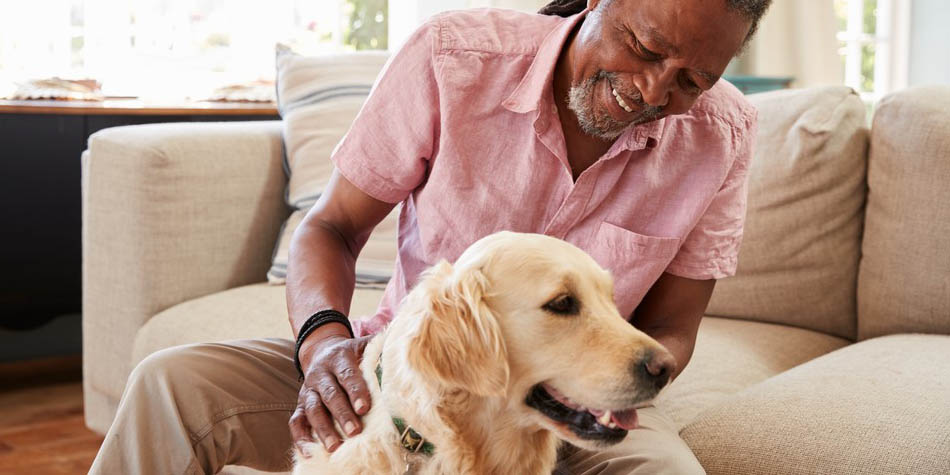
{"points": [[654, 448], [194, 409]]}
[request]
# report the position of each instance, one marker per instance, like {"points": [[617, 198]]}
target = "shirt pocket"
{"points": [[635, 260]]}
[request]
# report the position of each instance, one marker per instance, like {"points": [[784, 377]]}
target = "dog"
{"points": [[492, 362]]}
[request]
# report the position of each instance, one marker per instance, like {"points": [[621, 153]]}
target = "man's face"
{"points": [[634, 61]]}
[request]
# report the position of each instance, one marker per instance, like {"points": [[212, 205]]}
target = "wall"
{"points": [[929, 61]]}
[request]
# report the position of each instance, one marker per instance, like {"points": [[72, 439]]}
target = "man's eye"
{"points": [[690, 86], [643, 51], [563, 305]]}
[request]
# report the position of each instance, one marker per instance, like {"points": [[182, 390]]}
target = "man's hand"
{"points": [[333, 388]]}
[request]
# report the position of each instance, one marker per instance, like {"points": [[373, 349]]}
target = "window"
{"points": [[873, 40], [177, 48]]}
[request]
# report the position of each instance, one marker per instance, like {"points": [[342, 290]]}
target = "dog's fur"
{"points": [[467, 346]]}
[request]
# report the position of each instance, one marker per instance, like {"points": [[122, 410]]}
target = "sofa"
{"points": [[827, 353]]}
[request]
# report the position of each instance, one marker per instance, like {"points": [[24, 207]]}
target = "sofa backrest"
{"points": [[904, 279], [798, 262]]}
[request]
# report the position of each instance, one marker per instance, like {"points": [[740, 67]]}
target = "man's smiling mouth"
{"points": [[620, 100]]}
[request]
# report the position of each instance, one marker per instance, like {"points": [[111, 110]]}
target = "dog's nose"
{"points": [[657, 367]]}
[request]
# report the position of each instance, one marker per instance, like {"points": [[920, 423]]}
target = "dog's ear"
{"points": [[459, 343]]}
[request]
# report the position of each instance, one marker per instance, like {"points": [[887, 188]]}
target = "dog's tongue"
{"points": [[626, 420]]}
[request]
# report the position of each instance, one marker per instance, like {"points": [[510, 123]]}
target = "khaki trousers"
{"points": [[194, 409]]}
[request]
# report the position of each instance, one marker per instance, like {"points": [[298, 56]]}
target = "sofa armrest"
{"points": [[171, 212]]}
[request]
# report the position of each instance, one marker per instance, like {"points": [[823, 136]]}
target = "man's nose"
{"points": [[657, 85]]}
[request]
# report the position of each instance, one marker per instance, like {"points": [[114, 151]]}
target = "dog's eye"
{"points": [[563, 305]]}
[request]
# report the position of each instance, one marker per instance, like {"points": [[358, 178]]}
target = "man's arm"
{"points": [[320, 275], [322, 264], [670, 313]]}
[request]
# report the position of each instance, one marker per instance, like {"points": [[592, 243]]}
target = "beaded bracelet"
{"points": [[315, 321]]}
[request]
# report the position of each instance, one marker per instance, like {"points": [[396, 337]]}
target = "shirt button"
{"points": [[651, 142]]}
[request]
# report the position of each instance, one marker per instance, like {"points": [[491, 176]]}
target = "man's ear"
{"points": [[459, 343]]}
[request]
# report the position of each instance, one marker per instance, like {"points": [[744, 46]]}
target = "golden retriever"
{"points": [[495, 359]]}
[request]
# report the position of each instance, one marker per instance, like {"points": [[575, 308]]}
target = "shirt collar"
{"points": [[529, 94]]}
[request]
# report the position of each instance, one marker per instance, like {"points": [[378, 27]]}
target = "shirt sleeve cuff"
{"points": [[368, 326], [364, 178], [713, 269]]}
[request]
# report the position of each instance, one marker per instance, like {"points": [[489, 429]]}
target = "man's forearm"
{"points": [[321, 274]]}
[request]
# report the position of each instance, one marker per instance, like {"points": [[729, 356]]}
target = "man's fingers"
{"points": [[337, 402], [351, 379], [319, 420], [332, 388], [300, 431], [361, 345]]}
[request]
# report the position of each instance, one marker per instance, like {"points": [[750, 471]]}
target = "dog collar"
{"points": [[408, 437]]}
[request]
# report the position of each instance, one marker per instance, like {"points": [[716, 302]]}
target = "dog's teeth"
{"points": [[612, 425], [604, 419]]}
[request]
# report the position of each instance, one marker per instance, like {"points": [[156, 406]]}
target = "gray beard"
{"points": [[580, 100]]}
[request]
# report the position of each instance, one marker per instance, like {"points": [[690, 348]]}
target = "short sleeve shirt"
{"points": [[462, 129]]}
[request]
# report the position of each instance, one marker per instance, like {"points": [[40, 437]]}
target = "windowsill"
{"points": [[137, 107]]}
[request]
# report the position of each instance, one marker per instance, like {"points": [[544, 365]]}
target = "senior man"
{"points": [[600, 122]]}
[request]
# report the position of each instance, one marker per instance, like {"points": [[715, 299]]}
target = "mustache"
{"points": [[646, 110]]}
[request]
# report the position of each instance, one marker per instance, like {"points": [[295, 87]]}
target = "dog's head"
{"points": [[531, 319]]}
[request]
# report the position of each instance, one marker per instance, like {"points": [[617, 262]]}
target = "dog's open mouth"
{"points": [[587, 423]]}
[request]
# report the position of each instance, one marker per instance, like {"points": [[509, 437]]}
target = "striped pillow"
{"points": [[318, 97]]}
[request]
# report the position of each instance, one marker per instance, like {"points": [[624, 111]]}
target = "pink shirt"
{"points": [[462, 128]]}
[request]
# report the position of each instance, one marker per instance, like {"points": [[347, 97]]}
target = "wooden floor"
{"points": [[41, 421]]}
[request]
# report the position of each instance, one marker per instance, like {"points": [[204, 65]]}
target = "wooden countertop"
{"points": [[136, 107]]}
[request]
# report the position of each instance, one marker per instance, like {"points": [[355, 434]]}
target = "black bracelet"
{"points": [[315, 321]]}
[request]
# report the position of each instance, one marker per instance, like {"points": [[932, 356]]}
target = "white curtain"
{"points": [[796, 38]]}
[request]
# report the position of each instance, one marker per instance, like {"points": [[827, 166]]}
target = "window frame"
{"points": [[891, 42]]}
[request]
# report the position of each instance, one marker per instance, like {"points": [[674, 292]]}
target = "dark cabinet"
{"points": [[40, 216]]}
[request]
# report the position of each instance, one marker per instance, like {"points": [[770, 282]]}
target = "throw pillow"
{"points": [[318, 97]]}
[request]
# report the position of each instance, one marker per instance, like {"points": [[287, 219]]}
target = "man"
{"points": [[607, 128]]}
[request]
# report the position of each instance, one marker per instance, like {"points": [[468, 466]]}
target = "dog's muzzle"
{"points": [[581, 421]]}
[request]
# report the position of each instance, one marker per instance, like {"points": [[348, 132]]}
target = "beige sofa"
{"points": [[827, 353]]}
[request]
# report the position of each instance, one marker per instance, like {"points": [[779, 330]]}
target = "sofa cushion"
{"points": [[732, 355], [879, 406], [318, 98], [798, 263], [253, 311], [904, 283]]}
